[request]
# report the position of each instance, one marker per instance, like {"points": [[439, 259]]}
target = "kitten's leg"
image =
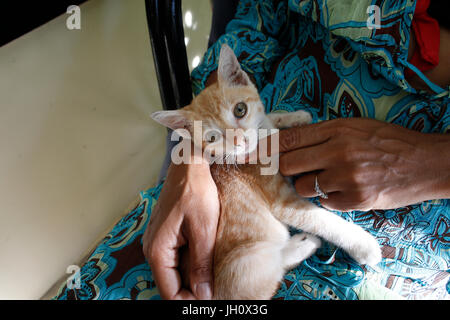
{"points": [[251, 271], [302, 214], [298, 248], [290, 119]]}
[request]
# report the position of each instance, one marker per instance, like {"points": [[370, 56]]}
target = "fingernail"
{"points": [[203, 291]]}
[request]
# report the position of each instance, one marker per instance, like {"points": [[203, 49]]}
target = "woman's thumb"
{"points": [[201, 253]]}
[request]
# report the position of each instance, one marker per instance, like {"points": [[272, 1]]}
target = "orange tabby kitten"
{"points": [[253, 246]]}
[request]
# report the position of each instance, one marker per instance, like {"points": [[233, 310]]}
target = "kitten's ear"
{"points": [[173, 119], [229, 70]]}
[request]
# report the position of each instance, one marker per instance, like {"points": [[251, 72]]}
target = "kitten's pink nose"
{"points": [[240, 141]]}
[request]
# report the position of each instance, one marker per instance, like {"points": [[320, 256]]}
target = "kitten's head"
{"points": [[226, 109]]}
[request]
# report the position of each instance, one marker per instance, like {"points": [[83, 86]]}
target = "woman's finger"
{"points": [[305, 136], [305, 185], [200, 232], [291, 139], [168, 282], [163, 264], [163, 258], [341, 201], [334, 202], [305, 160]]}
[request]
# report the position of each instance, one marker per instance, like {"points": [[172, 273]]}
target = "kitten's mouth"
{"points": [[238, 156]]}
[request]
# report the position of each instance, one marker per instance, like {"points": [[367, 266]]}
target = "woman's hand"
{"points": [[365, 164], [186, 214]]}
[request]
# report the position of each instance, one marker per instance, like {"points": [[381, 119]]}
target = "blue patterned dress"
{"points": [[318, 56]]}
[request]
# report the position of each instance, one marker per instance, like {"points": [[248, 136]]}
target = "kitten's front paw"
{"points": [[368, 251], [290, 119], [298, 118]]}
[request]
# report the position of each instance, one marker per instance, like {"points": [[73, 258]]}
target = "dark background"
{"points": [[439, 9], [18, 17]]}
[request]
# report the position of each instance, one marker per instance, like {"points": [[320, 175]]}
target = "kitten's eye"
{"points": [[212, 136], [240, 110]]}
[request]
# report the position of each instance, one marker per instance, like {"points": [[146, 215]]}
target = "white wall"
{"points": [[76, 141]]}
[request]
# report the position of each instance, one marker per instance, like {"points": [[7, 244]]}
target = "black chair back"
{"points": [[165, 24]]}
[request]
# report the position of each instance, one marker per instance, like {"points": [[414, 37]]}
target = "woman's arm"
{"points": [[186, 215], [365, 164]]}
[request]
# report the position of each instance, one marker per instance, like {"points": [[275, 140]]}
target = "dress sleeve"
{"points": [[252, 35]]}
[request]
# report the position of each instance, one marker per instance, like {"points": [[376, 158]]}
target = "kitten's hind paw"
{"points": [[367, 252]]}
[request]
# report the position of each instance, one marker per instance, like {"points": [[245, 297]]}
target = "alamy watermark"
{"points": [[374, 19], [73, 21], [74, 280]]}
